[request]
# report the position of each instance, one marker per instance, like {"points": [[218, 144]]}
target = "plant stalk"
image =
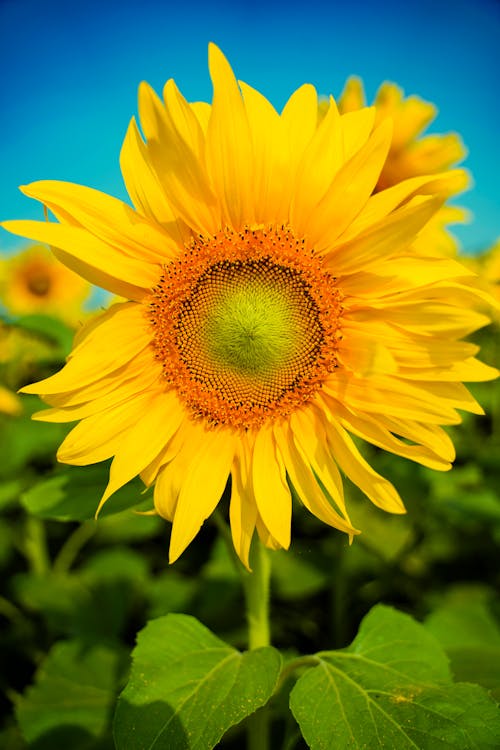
{"points": [[257, 589]]}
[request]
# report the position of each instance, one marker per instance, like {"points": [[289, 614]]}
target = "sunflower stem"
{"points": [[35, 546], [257, 588], [72, 546]]}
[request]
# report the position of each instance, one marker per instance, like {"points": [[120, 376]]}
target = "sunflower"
{"points": [[33, 281], [275, 309], [412, 154]]}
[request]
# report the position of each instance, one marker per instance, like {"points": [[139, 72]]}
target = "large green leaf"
{"points": [[188, 687], [24, 442], [391, 688], [471, 639], [70, 702], [74, 494]]}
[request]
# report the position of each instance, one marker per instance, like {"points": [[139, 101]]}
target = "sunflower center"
{"points": [[245, 325], [249, 318], [39, 284]]}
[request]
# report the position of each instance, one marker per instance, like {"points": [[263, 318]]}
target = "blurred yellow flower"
{"points": [[9, 402], [277, 306], [412, 154], [487, 267], [35, 282], [21, 353], [490, 267]]}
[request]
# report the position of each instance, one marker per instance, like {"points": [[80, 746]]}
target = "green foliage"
{"points": [[74, 592], [73, 693], [73, 495], [56, 333], [391, 688], [470, 637], [188, 687]]}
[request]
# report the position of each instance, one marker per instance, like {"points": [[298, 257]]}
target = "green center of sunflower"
{"points": [[241, 326], [252, 319], [251, 330]]}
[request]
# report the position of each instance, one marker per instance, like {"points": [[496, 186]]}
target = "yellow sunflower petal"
{"points": [[140, 369], [382, 203], [300, 119], [176, 163], [144, 442], [242, 508], [379, 490], [412, 114], [109, 219], [377, 433], [144, 187], [201, 489], [356, 129], [64, 411], [99, 437], [202, 111], [121, 334], [265, 535], [229, 146], [166, 491], [306, 484], [350, 189], [321, 160], [272, 186], [310, 440], [397, 231], [271, 491], [353, 96], [94, 260]]}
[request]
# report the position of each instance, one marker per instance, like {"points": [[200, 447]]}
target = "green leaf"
{"points": [[58, 598], [49, 328], [73, 495], [11, 739], [296, 576], [188, 687], [384, 535], [467, 498], [391, 688], [10, 491], [169, 591], [70, 702], [23, 441], [6, 542], [471, 639], [91, 603]]}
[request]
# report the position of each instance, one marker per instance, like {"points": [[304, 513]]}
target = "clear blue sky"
{"points": [[70, 73]]}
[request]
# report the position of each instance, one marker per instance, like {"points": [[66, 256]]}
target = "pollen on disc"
{"points": [[246, 325]]}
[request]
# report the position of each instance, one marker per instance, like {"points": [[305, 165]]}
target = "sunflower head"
{"points": [[278, 305], [33, 281]]}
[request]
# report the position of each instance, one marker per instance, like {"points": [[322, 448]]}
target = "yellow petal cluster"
{"points": [[413, 154], [249, 228]]}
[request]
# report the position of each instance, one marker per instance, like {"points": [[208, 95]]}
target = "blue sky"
{"points": [[70, 73]]}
